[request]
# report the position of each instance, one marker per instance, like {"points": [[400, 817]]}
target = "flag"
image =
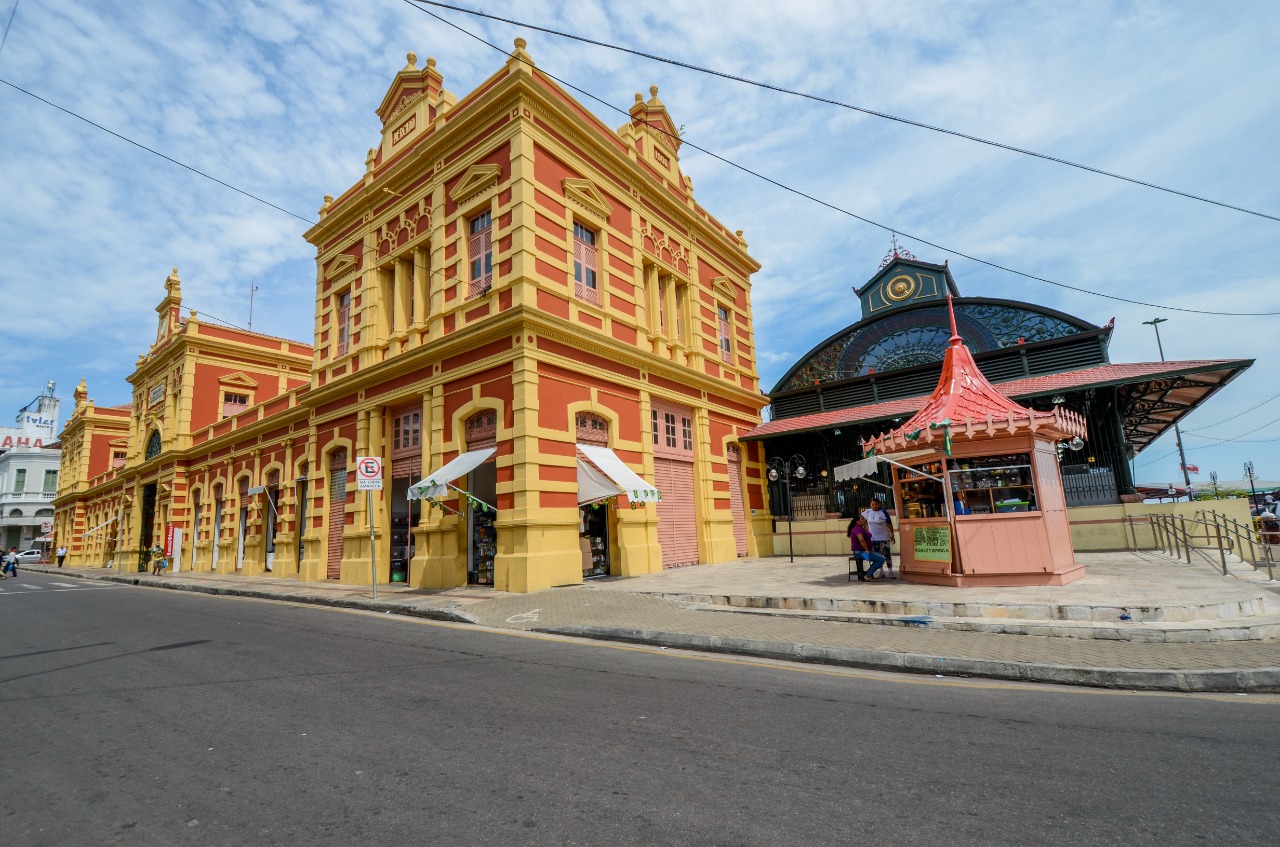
{"points": [[1191, 468]]}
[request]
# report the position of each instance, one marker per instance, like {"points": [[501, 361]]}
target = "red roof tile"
{"points": [[1029, 387]]}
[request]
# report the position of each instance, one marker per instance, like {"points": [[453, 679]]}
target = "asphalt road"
{"points": [[146, 716]]}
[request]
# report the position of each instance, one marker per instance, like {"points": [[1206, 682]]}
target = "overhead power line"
{"points": [[1233, 417], [892, 229], [12, 12], [170, 159], [840, 104]]}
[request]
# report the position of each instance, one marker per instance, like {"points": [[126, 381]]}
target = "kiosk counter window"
{"points": [[989, 485], [922, 497]]}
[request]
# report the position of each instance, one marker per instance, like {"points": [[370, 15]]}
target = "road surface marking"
{"points": [[65, 584], [530, 616]]}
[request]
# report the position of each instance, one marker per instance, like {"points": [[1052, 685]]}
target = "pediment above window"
{"points": [[474, 181], [584, 194]]}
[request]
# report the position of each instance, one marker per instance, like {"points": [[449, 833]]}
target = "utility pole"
{"points": [[1250, 474], [252, 288], [1154, 323]]}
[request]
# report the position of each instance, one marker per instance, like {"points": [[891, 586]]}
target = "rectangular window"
{"points": [[669, 422], [585, 265], [344, 323], [686, 432], [726, 341], [655, 427], [20, 480], [50, 481], [406, 431], [117, 459], [480, 252], [234, 404]]}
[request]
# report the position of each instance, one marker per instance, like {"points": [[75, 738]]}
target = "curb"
{"points": [[446, 614], [1228, 680]]}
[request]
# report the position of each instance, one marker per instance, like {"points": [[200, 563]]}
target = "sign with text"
{"points": [[368, 473], [932, 543]]}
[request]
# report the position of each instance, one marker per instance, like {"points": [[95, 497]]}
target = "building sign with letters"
{"points": [[932, 543]]}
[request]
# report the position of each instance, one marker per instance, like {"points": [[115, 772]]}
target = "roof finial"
{"points": [[896, 251], [955, 336]]}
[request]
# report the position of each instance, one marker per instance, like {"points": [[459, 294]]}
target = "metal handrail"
{"points": [[1228, 535]]}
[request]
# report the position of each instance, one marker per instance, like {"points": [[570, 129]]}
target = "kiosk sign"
{"points": [[932, 543], [368, 473]]}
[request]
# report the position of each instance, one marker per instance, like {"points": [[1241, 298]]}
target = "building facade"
{"points": [[876, 373], [514, 289], [29, 459]]}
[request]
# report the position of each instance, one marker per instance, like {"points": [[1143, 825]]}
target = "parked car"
{"points": [[28, 557]]}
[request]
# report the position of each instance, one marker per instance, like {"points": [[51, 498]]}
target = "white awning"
{"points": [[436, 485], [89, 532], [593, 485], [867, 466], [632, 485]]}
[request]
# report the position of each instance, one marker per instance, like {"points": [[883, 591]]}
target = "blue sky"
{"points": [[277, 98]]}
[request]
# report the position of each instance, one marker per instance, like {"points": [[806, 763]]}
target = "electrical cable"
{"points": [[13, 12], [830, 102], [1233, 417], [1236, 438], [891, 229], [158, 153]]}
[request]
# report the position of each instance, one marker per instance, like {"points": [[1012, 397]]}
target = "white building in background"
{"points": [[29, 457]]}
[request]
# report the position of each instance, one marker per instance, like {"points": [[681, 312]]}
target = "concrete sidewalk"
{"points": [[621, 610]]}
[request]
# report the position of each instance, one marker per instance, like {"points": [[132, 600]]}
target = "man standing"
{"points": [[61, 554], [881, 527]]}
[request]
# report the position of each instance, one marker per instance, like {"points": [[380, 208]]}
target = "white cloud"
{"points": [[277, 98]]}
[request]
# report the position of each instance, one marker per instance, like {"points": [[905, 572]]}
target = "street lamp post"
{"points": [[788, 468], [1251, 475], [1154, 323], [1213, 477]]}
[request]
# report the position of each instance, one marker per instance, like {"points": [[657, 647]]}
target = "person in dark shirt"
{"points": [[863, 547]]}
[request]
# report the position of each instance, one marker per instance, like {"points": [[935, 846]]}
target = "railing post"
{"points": [[1217, 531], [1186, 539]]}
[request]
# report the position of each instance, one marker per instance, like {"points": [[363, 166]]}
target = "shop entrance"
{"points": [[404, 517], [593, 539], [482, 547], [145, 539]]}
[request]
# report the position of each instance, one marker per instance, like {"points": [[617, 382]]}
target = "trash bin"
{"points": [[399, 570]]}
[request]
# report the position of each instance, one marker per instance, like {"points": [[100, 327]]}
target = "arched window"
{"points": [[592, 429], [15, 513], [482, 429], [44, 513], [153, 445]]}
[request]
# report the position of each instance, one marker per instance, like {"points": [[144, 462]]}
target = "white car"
{"points": [[28, 557]]}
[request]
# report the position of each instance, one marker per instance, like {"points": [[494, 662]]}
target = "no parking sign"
{"points": [[369, 473]]}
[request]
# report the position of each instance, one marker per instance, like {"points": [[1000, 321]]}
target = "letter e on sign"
{"points": [[369, 473]]}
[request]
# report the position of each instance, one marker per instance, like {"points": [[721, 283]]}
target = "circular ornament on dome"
{"points": [[900, 288]]}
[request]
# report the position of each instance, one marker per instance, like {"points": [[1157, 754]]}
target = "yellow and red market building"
{"points": [[513, 289]]}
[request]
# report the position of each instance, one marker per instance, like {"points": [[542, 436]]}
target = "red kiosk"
{"points": [[977, 485]]}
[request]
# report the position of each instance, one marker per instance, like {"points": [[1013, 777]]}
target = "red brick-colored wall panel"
{"points": [[573, 353], [628, 411], [557, 499], [590, 320], [481, 311], [549, 248], [551, 171], [549, 271], [476, 354], [556, 391], [547, 225], [551, 447], [623, 333], [548, 202], [557, 473], [553, 303]]}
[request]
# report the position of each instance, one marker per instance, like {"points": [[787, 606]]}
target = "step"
{"points": [[1259, 628]]}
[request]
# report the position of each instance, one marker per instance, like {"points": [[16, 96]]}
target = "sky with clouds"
{"points": [[277, 99]]}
